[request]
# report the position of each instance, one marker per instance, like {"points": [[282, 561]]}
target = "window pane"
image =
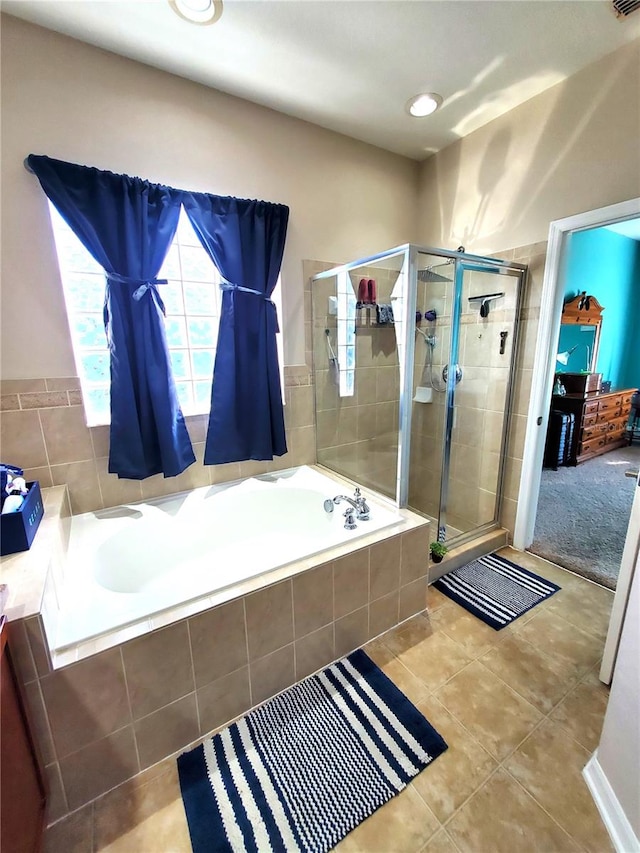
{"points": [[96, 367], [203, 332], [171, 266], [185, 394], [186, 235], [180, 363], [202, 363], [176, 331], [200, 298], [202, 394], [196, 265], [85, 292], [97, 403], [89, 330], [172, 297], [78, 259]]}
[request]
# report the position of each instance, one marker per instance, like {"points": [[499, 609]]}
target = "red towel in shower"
{"points": [[367, 291]]}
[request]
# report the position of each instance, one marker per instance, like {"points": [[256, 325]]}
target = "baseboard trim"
{"points": [[615, 820]]}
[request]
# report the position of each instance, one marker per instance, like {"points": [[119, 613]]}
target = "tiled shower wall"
{"points": [[358, 435], [43, 430]]}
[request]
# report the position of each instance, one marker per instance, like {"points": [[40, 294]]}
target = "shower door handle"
{"points": [[458, 374]]}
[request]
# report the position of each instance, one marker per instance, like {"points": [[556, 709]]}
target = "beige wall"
{"points": [[571, 149], [74, 102]]}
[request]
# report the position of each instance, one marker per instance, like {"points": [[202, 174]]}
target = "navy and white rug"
{"points": [[495, 590], [304, 769]]}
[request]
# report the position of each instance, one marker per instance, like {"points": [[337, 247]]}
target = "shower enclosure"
{"points": [[413, 353]]}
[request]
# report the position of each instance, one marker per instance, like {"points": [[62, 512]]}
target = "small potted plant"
{"points": [[437, 551]]}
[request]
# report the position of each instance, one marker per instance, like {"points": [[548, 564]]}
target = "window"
{"points": [[192, 300]]}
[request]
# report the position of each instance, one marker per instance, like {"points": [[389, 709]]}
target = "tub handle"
{"points": [[349, 520]]}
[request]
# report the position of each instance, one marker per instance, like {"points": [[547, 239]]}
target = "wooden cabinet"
{"points": [[600, 421], [22, 788]]}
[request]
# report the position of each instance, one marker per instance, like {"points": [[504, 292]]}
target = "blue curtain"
{"points": [[127, 224], [245, 240]]}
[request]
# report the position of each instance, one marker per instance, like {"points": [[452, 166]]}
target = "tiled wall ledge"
{"points": [[111, 716], [43, 430]]}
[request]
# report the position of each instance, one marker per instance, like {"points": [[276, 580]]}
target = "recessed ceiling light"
{"points": [[423, 104], [197, 11]]}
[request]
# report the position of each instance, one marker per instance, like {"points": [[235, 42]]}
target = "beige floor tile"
{"points": [[435, 660], [549, 765], [533, 563], [412, 687], [581, 712], [73, 834], [558, 638], [502, 818], [440, 843], [587, 606], [493, 713], [473, 635], [446, 783], [132, 813], [538, 678], [409, 634], [403, 825], [165, 831], [435, 599], [378, 652]]}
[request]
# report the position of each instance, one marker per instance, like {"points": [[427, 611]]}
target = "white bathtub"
{"points": [[129, 563]]}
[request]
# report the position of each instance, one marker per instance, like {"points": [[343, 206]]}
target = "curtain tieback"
{"points": [[228, 285], [144, 284]]}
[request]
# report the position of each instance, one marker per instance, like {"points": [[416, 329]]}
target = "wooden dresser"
{"points": [[600, 421]]}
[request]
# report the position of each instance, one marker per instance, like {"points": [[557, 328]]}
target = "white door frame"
{"points": [[545, 357]]}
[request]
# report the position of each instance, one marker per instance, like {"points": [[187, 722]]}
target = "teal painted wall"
{"points": [[607, 266]]}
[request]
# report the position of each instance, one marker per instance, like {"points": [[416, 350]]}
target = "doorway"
{"points": [[585, 500], [538, 410]]}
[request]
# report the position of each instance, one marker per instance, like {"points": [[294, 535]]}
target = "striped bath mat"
{"points": [[304, 769], [495, 590]]}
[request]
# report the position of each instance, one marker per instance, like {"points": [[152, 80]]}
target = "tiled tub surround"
{"points": [[120, 710], [43, 429]]}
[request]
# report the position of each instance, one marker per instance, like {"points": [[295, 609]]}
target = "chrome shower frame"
{"points": [[461, 261]]}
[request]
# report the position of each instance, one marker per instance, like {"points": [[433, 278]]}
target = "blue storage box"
{"points": [[17, 529]]}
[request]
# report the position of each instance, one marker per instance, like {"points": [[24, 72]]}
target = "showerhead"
{"points": [[429, 274]]}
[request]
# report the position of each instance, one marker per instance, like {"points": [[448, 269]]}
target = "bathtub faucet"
{"points": [[357, 502]]}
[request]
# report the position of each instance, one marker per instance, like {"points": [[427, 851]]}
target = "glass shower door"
{"points": [[478, 379]]}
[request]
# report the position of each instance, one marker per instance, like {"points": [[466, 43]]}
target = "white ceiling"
{"points": [[351, 65]]}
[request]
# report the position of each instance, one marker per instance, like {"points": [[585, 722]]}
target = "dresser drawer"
{"points": [[589, 420], [607, 415], [592, 444], [594, 431], [609, 404], [626, 400], [590, 408]]}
